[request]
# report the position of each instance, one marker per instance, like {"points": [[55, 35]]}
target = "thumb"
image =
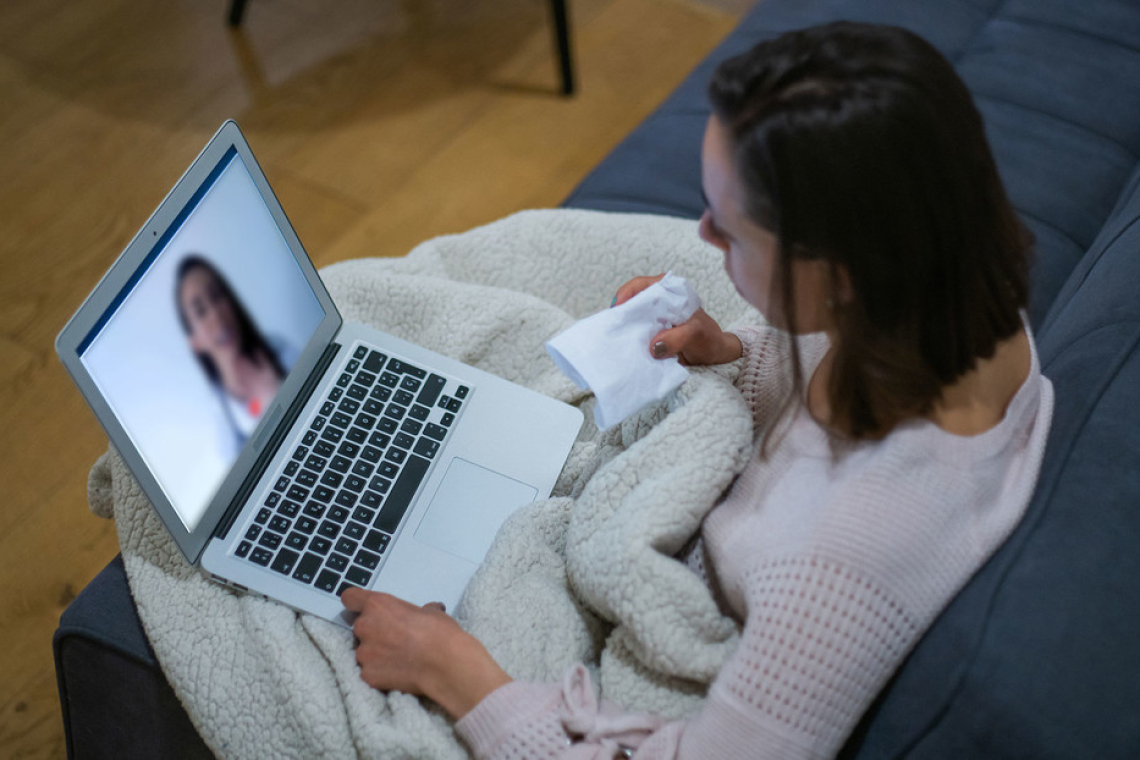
{"points": [[668, 343]]}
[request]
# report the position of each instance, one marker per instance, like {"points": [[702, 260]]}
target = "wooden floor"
{"points": [[380, 123]]}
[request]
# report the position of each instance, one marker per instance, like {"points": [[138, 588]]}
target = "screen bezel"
{"points": [[226, 145]]}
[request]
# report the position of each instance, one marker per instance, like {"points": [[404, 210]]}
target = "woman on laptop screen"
{"points": [[241, 364]]}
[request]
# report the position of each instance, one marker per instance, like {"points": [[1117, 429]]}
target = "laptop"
{"points": [[289, 453]]}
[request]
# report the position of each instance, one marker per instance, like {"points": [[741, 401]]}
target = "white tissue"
{"points": [[608, 352]]}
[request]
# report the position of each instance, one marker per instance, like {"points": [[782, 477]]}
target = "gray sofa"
{"points": [[1039, 656]]}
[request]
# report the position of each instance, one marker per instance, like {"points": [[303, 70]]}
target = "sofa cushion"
{"points": [[1052, 78]]}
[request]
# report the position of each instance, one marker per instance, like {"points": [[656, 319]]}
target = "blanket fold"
{"points": [[585, 576]]}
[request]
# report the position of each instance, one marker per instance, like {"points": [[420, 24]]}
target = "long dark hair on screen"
{"points": [[859, 146], [251, 342]]}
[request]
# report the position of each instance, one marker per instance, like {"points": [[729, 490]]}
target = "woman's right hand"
{"points": [[695, 342]]}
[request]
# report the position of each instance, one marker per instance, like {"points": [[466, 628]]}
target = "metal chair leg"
{"points": [[562, 40]]}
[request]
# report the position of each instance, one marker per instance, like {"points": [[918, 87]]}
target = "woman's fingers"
{"points": [[633, 287]]}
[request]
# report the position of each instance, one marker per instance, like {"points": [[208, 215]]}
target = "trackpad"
{"points": [[469, 508]]}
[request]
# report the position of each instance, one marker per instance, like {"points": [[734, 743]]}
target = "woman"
{"points": [[238, 361], [900, 410]]}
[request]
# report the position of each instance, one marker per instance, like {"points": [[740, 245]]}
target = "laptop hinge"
{"points": [[283, 429]]}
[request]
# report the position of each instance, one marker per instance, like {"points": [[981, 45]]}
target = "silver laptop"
{"points": [[289, 453]]}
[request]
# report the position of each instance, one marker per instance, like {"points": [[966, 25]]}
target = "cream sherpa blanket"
{"points": [[587, 575]]}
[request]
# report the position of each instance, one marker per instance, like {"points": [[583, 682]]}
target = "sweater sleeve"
{"points": [[819, 642], [765, 377]]}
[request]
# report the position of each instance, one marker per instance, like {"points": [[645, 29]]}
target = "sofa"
{"points": [[1039, 655]]}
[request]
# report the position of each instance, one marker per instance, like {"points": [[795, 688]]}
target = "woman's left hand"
{"points": [[420, 650]]}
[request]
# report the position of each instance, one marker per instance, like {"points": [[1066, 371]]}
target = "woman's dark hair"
{"points": [[859, 146], [251, 341]]}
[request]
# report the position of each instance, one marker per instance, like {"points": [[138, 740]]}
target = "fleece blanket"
{"points": [[585, 576]]}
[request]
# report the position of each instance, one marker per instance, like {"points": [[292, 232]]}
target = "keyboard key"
{"points": [[357, 391], [410, 426], [306, 477], [329, 529], [327, 408], [375, 361], [263, 516], [419, 412], [403, 398], [431, 389], [338, 515], [407, 369], [307, 568], [289, 508], [344, 380], [388, 470], [269, 540], [349, 406], [347, 546], [367, 559], [358, 575], [291, 468], [380, 440], [462, 391], [354, 483], [310, 438], [253, 532], [272, 499], [363, 469], [386, 425], [371, 499], [395, 411], [366, 379], [323, 493], [296, 541], [320, 545], [354, 530], [325, 449], [380, 393], [341, 420], [360, 352], [332, 434], [243, 549], [306, 524], [410, 384], [332, 479], [296, 493], [316, 463], [286, 559], [327, 581], [374, 408], [335, 394], [371, 454], [404, 441], [376, 541], [281, 484], [364, 515], [396, 455], [426, 448], [388, 380], [352, 366], [337, 562], [447, 419], [340, 464], [346, 498], [261, 556], [435, 431], [454, 405], [365, 421], [280, 524], [402, 492], [315, 510], [301, 453], [349, 449], [357, 435]]}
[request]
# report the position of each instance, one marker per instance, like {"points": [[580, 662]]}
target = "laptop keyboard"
{"points": [[340, 497]]}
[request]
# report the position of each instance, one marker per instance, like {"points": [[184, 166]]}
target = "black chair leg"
{"points": [[562, 40], [237, 10]]}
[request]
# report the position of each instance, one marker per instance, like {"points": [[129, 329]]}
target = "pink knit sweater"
{"points": [[835, 567]]}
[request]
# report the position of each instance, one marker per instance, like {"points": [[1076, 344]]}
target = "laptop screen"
{"points": [[197, 344]]}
